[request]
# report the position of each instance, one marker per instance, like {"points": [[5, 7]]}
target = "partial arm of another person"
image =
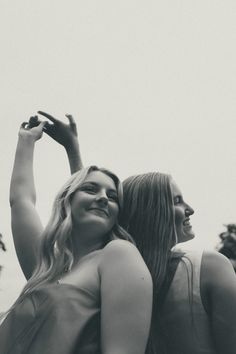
{"points": [[218, 283], [126, 300], [67, 136], [25, 221]]}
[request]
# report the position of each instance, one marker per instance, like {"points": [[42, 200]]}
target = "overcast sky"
{"points": [[151, 85]]}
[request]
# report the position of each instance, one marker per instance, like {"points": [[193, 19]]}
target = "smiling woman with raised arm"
{"points": [[194, 304], [88, 289]]}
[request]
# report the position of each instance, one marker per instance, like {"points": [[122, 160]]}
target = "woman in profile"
{"points": [[194, 304], [88, 289]]}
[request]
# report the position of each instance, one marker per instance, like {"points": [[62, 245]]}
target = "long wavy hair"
{"points": [[57, 254], [148, 215]]}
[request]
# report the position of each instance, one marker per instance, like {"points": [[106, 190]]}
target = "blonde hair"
{"points": [[56, 254]]}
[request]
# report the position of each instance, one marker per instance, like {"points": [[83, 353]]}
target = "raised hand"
{"points": [[33, 128], [64, 134]]}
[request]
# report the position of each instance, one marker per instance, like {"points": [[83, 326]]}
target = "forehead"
{"points": [[100, 178], [174, 188]]}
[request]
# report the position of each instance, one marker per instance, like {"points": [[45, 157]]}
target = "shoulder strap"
{"points": [[157, 339], [171, 269]]}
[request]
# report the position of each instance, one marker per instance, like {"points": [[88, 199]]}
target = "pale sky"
{"points": [[151, 85]]}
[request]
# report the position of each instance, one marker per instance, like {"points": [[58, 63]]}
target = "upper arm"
{"points": [[126, 299], [26, 229], [219, 284]]}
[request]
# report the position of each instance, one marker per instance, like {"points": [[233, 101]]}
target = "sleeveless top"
{"points": [[184, 323], [55, 319], [58, 318]]}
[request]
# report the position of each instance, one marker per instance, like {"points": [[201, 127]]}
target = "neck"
{"points": [[84, 244]]}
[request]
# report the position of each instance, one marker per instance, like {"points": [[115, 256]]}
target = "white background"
{"points": [[151, 85]]}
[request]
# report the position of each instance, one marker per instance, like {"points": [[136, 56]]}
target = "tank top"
{"points": [[55, 319], [185, 325]]}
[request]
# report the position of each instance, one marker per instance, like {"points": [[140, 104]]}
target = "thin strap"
{"points": [[172, 266]]}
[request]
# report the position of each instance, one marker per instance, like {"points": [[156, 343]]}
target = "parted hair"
{"points": [[148, 215], [56, 253]]}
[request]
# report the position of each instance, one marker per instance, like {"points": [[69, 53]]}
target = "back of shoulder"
{"points": [[216, 269], [121, 248], [124, 255], [214, 260]]}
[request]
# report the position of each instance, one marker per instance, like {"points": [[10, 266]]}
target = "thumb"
{"points": [[42, 124]]}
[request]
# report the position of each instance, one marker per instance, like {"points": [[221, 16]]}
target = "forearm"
{"points": [[74, 157], [22, 181]]}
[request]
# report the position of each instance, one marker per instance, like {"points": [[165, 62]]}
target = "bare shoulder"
{"points": [[122, 251], [219, 290], [216, 268], [213, 260], [120, 248], [123, 255], [126, 293]]}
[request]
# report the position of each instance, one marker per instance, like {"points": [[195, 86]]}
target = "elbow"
{"points": [[18, 198], [12, 199]]}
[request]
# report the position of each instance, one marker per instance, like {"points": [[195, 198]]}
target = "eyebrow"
{"points": [[97, 185]]}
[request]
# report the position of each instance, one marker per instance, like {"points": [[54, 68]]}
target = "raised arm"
{"points": [[126, 300], [218, 282], [67, 136], [26, 224]]}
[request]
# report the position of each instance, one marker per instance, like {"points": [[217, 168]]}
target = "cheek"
{"points": [[179, 217], [74, 206], [79, 201], [114, 212], [78, 207]]}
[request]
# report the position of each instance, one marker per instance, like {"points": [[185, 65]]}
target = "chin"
{"points": [[95, 225], [186, 236], [189, 236]]}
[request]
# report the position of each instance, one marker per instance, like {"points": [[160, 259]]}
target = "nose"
{"points": [[102, 198], [189, 210]]}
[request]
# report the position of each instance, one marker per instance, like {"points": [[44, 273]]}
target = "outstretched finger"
{"points": [[70, 118], [51, 118], [72, 122]]}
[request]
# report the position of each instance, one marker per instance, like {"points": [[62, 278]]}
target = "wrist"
{"points": [[72, 148], [26, 139]]}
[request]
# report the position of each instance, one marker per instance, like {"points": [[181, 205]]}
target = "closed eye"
{"points": [[89, 188], [113, 197], [94, 188]]}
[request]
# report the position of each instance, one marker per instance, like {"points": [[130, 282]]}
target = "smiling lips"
{"points": [[187, 222], [100, 211]]}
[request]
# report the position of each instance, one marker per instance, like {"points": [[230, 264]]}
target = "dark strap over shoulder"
{"points": [[157, 339], [171, 269]]}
